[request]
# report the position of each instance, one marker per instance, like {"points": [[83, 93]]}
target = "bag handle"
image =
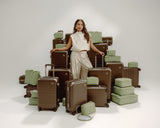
{"points": [[52, 67]]}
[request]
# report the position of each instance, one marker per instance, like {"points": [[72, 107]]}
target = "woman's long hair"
{"points": [[84, 30]]}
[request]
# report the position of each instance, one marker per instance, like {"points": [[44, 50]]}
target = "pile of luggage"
{"points": [[100, 86]]}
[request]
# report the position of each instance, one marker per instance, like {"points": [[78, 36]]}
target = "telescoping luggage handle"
{"points": [[96, 61], [52, 68]]}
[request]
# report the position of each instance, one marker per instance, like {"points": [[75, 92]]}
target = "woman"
{"points": [[81, 42]]}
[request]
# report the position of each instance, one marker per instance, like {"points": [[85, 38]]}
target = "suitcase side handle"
{"points": [[52, 67], [96, 60]]}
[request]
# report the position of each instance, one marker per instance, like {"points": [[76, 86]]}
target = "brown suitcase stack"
{"points": [[76, 95], [28, 88], [132, 73], [48, 92], [64, 75]]}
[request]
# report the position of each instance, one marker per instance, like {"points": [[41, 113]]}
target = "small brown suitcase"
{"points": [[98, 94], [107, 40], [21, 79], [57, 41], [48, 92], [59, 59], [64, 75], [28, 89], [132, 73], [76, 95]]}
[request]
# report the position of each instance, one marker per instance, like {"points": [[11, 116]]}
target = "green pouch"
{"points": [[34, 93], [92, 80], [123, 82], [122, 100], [133, 64], [58, 35], [123, 91], [112, 58], [111, 52], [60, 45], [63, 101], [33, 101], [96, 36]]}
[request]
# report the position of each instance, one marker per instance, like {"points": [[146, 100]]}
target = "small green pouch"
{"points": [[58, 35], [33, 101], [34, 93], [133, 64], [92, 80], [122, 100], [112, 58], [111, 52], [123, 82], [60, 45], [123, 91], [96, 36], [63, 101]]}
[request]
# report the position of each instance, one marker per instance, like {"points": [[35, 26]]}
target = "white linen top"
{"points": [[79, 42]]}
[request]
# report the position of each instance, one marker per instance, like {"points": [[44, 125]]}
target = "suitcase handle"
{"points": [[52, 67], [96, 60]]}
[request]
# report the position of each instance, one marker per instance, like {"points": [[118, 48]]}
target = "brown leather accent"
{"points": [[22, 79], [28, 88]]}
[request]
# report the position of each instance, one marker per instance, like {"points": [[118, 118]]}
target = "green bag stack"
{"points": [[123, 92], [33, 100], [111, 56]]}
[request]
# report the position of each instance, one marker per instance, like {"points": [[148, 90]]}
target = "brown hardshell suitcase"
{"points": [[76, 95], [64, 75], [98, 94], [107, 40], [28, 89], [48, 92], [132, 73], [59, 59], [21, 79], [57, 41]]}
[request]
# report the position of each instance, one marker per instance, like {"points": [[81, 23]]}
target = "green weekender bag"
{"points": [[111, 52], [123, 82], [123, 91], [58, 35], [92, 80], [96, 36], [133, 64]]}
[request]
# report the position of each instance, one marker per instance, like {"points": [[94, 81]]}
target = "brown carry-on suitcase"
{"points": [[107, 40], [132, 73], [21, 79], [59, 59], [76, 95], [48, 92], [117, 70], [28, 89], [64, 75], [98, 94], [57, 41], [104, 75]]}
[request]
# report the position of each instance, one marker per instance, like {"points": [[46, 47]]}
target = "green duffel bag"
{"points": [[111, 52], [96, 36], [112, 58], [58, 35], [33, 101], [60, 45], [34, 93], [123, 91], [126, 99], [92, 80], [133, 64], [123, 82], [87, 111], [28, 74]]}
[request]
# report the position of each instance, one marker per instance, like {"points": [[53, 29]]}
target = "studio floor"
{"points": [[16, 113]]}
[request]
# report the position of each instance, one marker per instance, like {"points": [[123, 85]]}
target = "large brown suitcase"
{"points": [[21, 79], [48, 92], [117, 70], [132, 73], [28, 88], [64, 75], [59, 59], [57, 41], [76, 95], [98, 94]]}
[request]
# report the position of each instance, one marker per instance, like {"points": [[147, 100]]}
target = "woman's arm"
{"points": [[94, 48], [69, 44]]}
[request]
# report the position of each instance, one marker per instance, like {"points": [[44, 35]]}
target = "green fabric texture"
{"points": [[60, 45], [31, 77], [112, 58], [123, 91], [96, 36], [34, 93], [92, 80], [111, 52], [33, 101], [58, 35], [133, 64], [88, 108], [64, 101], [123, 82], [122, 100]]}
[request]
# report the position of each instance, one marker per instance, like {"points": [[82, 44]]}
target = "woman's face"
{"points": [[79, 26]]}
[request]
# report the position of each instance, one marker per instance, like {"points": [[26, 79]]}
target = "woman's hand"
{"points": [[52, 50], [101, 53]]}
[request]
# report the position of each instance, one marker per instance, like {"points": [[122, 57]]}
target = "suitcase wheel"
{"points": [[138, 86], [108, 101], [25, 96], [73, 113], [107, 105], [39, 109]]}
